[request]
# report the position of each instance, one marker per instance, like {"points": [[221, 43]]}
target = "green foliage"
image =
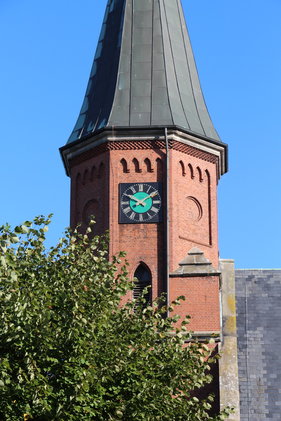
{"points": [[70, 351]]}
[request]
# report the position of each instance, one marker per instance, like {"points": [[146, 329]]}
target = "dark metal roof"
{"points": [[144, 73]]}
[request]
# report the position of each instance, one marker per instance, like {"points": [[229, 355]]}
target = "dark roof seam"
{"points": [[191, 84], [165, 65], [175, 67], [151, 73], [131, 63], [91, 94], [90, 80], [120, 59]]}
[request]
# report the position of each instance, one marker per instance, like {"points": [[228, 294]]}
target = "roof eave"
{"points": [[75, 145]]}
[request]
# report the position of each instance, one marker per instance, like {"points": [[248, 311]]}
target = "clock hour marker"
{"points": [[132, 216], [126, 210], [125, 203], [133, 189], [148, 190], [141, 187], [156, 202], [141, 218], [153, 209]]}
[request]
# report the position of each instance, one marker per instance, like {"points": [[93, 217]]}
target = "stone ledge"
{"points": [[195, 264]]}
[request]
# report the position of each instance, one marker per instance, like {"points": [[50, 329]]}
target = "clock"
{"points": [[140, 203]]}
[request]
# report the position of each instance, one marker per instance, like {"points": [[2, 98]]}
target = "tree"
{"points": [[70, 351]]}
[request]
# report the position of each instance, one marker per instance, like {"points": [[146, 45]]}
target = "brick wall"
{"points": [[202, 301], [95, 178]]}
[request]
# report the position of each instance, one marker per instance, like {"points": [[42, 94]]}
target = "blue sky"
{"points": [[47, 48]]}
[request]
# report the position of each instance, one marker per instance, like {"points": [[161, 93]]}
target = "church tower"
{"points": [[145, 158]]}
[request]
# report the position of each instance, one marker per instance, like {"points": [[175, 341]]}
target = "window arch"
{"points": [[101, 170], [142, 280], [78, 180], [85, 177], [148, 165], [182, 166], [191, 170], [137, 165], [200, 174], [93, 173], [159, 165], [124, 165]]}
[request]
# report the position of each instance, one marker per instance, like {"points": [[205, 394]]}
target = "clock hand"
{"points": [[133, 198], [154, 193], [148, 197]]}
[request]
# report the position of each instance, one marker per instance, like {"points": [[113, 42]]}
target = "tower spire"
{"points": [[144, 73], [145, 158]]}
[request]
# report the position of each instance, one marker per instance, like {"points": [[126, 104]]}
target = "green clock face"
{"points": [[140, 202]]}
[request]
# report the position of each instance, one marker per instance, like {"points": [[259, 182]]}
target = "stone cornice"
{"points": [[152, 138]]}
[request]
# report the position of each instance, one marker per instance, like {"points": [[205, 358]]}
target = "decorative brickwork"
{"points": [[95, 178], [189, 150], [146, 144]]}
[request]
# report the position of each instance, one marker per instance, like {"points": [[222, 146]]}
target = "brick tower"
{"points": [[145, 159]]}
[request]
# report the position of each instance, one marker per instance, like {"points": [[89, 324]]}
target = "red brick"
{"points": [[193, 217]]}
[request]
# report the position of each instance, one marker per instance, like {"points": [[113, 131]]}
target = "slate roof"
{"points": [[144, 73], [258, 293]]}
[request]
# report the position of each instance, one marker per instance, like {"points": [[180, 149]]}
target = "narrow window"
{"points": [[191, 170], [85, 177], [78, 179], [142, 280], [137, 165], [182, 169], [101, 170], [159, 165], [93, 173], [148, 165], [124, 165], [200, 174]]}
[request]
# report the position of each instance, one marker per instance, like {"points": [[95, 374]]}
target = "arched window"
{"points": [[200, 174], [148, 165], [191, 170], [137, 165], [101, 170], [182, 166], [85, 177], [159, 165], [124, 165], [78, 180], [142, 280], [93, 173]]}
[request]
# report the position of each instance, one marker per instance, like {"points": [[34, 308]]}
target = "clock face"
{"points": [[140, 203]]}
